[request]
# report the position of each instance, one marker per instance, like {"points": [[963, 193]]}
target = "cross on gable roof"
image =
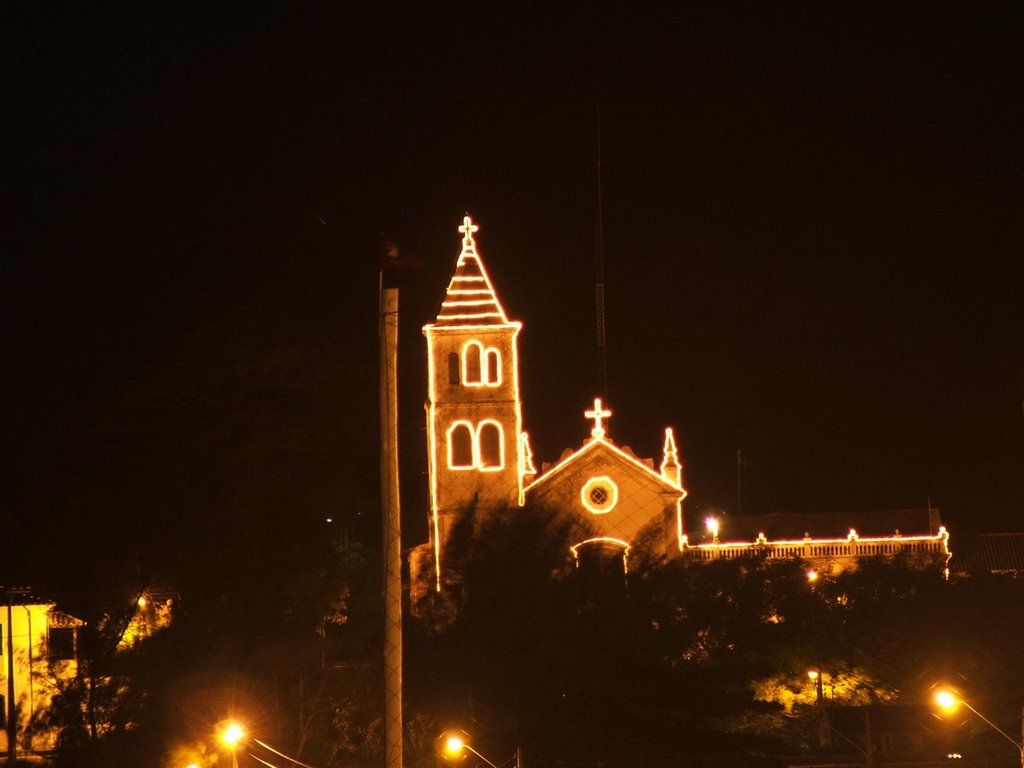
{"points": [[599, 413]]}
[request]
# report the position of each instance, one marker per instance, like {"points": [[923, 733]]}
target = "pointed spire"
{"points": [[470, 299], [671, 469], [526, 466]]}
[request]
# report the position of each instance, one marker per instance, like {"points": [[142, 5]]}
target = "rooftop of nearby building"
{"points": [[21, 596], [989, 552]]}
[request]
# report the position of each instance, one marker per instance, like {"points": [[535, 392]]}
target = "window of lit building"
{"points": [[600, 495], [490, 445], [460, 446]]}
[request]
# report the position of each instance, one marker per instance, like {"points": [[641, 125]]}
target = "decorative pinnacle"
{"points": [[670, 450], [467, 229], [598, 414]]}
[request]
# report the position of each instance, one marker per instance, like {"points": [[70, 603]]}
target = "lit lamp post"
{"points": [[949, 701], [455, 744], [824, 730], [711, 523], [232, 737]]}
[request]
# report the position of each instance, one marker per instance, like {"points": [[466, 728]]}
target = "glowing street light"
{"points": [[711, 524], [950, 702], [232, 737], [233, 733], [824, 727], [455, 745]]}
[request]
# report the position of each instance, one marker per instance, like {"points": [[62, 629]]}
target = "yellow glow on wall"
{"points": [[149, 618], [599, 495]]}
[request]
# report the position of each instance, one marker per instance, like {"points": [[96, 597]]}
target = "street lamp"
{"points": [[824, 727], [950, 702], [235, 736], [232, 737], [711, 523], [454, 745]]}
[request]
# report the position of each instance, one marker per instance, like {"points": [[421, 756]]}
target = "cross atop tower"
{"points": [[598, 414], [467, 229]]}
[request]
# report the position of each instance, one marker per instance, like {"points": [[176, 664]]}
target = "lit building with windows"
{"points": [[479, 458], [39, 644]]}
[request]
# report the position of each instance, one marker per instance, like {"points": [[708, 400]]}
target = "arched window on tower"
{"points": [[493, 367], [472, 354], [490, 445], [454, 369], [460, 446]]}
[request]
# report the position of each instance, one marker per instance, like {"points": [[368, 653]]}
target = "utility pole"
{"points": [[392, 530]]}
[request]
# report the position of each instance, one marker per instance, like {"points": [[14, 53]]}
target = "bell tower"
{"points": [[477, 452]]}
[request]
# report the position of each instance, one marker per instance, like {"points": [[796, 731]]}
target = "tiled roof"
{"points": [[470, 299], [988, 552], [21, 596]]}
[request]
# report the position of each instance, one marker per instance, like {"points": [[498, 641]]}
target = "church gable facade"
{"points": [[479, 459], [618, 494]]}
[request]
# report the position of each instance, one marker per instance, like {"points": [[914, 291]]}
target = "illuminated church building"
{"points": [[479, 457]]}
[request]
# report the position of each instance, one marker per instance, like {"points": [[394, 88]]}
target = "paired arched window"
{"points": [[460, 446], [480, 366], [489, 440], [481, 447]]}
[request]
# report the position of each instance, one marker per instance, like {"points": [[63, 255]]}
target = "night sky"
{"points": [[813, 248]]}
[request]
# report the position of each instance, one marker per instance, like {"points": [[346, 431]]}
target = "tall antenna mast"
{"points": [[602, 347]]}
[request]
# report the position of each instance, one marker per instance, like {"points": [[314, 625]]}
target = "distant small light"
{"points": [[143, 602], [812, 575], [330, 519], [813, 674], [954, 756]]}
